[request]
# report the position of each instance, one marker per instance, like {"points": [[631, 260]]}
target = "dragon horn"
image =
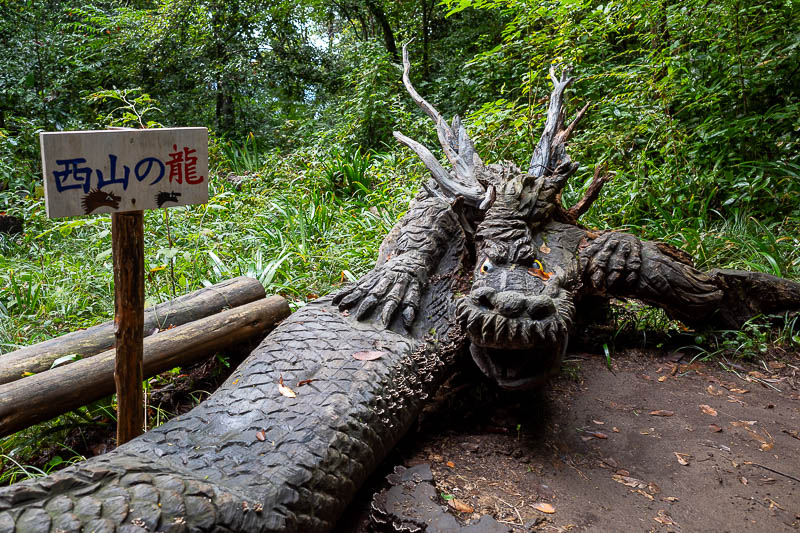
{"points": [[457, 146]]}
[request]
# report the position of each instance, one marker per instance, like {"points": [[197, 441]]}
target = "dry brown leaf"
{"points": [[743, 480], [261, 435], [451, 464], [712, 391], [776, 365], [739, 391], [598, 422], [707, 409], [629, 481], [664, 518], [598, 435], [671, 499], [615, 429], [544, 507], [539, 273], [368, 355], [544, 249], [305, 382], [645, 494], [460, 506], [734, 399], [743, 423], [662, 379], [284, 390], [683, 458], [662, 412]]}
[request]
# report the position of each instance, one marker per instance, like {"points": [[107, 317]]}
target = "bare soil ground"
{"points": [[651, 444]]}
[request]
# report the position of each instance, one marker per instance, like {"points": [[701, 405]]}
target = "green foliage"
{"points": [[132, 106], [691, 115], [346, 172], [242, 158]]}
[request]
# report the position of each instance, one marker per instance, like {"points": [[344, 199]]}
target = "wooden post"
{"points": [[127, 236]]}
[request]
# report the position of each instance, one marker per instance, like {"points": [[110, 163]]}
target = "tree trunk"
{"points": [[386, 28], [187, 308], [38, 398]]}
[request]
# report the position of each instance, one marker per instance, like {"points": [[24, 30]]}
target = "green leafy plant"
{"points": [[347, 172], [132, 106]]}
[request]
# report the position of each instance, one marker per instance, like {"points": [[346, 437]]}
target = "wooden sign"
{"points": [[112, 171], [124, 172]]}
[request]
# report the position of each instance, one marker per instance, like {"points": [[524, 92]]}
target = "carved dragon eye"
{"points": [[538, 270], [487, 266]]}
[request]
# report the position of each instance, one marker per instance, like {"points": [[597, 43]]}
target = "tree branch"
{"points": [[593, 192]]}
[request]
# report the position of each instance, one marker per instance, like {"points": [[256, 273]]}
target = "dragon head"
{"points": [[519, 310]]}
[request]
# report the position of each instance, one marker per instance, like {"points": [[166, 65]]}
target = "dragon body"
{"points": [[486, 262]]}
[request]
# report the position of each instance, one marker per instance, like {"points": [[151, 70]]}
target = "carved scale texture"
{"points": [[207, 470]]}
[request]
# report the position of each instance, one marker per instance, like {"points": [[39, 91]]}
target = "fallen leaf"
{"points": [[776, 365], [305, 382], [544, 507], [743, 480], [739, 391], [369, 355], [707, 409], [451, 464], [615, 429], [544, 249], [682, 458], [284, 390], [629, 481], [758, 375], [743, 423], [662, 379], [586, 438], [598, 435], [460, 506], [773, 504], [664, 518], [261, 435], [714, 428], [645, 494], [662, 412], [598, 422], [670, 499], [712, 391], [539, 273]]}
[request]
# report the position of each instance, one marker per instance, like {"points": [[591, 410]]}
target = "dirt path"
{"points": [[651, 445]]}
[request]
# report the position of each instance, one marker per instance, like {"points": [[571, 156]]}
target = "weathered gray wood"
{"points": [[38, 398], [91, 341]]}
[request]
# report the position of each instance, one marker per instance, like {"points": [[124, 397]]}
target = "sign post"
{"points": [[123, 172]]}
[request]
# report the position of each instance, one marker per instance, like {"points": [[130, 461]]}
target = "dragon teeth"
{"points": [[538, 328], [500, 324], [487, 328], [513, 327], [551, 332]]}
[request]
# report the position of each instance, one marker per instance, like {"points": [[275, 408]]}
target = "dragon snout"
{"points": [[513, 304]]}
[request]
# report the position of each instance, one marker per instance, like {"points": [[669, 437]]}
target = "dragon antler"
{"points": [[457, 146]]}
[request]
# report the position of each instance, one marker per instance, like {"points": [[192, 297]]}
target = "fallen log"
{"points": [[41, 397], [88, 342]]}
